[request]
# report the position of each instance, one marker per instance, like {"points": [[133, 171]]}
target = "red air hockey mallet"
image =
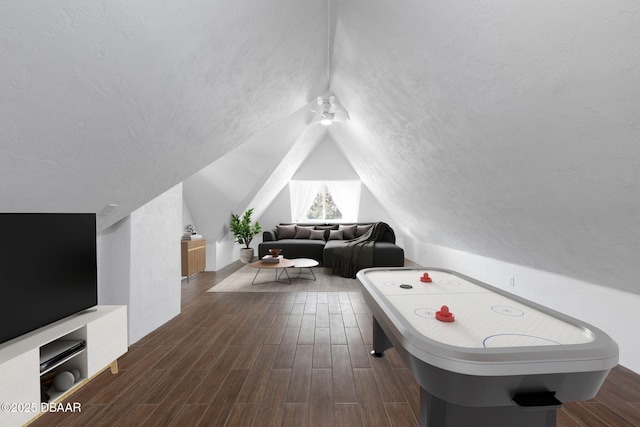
{"points": [[425, 278], [444, 315]]}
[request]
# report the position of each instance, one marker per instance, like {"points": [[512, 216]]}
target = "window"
{"points": [[324, 201], [323, 207]]}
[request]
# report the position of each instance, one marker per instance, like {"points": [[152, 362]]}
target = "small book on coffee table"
{"points": [[269, 259]]}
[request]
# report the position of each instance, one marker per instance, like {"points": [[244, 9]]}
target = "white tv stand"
{"points": [[103, 328]]}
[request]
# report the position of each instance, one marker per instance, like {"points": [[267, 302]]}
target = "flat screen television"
{"points": [[48, 269]]}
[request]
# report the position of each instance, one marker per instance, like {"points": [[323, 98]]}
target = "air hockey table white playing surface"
{"points": [[483, 318], [492, 328]]}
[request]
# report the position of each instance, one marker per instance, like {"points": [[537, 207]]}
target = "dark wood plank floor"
{"points": [[280, 359]]}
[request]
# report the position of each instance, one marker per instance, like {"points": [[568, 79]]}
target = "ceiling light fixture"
{"points": [[330, 111], [327, 119]]}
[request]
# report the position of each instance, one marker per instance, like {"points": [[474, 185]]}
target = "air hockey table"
{"points": [[502, 360]]}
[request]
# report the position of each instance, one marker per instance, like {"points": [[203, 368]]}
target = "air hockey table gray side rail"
{"points": [[490, 377]]}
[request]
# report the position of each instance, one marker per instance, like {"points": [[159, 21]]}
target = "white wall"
{"points": [[114, 263], [326, 162], [139, 263], [371, 209], [278, 211], [615, 312], [186, 215], [155, 263]]}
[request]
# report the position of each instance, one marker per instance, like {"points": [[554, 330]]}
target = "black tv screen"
{"points": [[48, 269]]}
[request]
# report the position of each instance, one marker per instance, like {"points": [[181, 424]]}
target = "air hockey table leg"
{"points": [[438, 412], [380, 340]]}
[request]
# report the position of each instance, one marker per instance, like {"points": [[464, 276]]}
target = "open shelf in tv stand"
{"points": [[103, 328]]}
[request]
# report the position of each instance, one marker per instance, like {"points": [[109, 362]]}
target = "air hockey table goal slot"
{"points": [[537, 400]]}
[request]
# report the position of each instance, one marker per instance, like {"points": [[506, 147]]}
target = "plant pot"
{"points": [[246, 255]]}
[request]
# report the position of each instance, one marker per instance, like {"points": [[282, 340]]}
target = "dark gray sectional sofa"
{"points": [[317, 241]]}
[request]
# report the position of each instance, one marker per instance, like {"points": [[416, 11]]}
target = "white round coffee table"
{"points": [[305, 263]]}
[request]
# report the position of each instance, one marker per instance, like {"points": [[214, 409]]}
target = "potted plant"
{"points": [[243, 232]]}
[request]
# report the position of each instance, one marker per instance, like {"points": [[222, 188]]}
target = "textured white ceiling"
{"points": [[506, 129], [117, 101]]}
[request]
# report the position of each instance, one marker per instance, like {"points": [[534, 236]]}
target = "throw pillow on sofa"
{"points": [[326, 229], [317, 235], [336, 235], [303, 232], [361, 229], [348, 231], [286, 231]]}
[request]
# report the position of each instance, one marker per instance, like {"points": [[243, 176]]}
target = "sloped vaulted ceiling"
{"points": [[117, 101], [506, 129]]}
